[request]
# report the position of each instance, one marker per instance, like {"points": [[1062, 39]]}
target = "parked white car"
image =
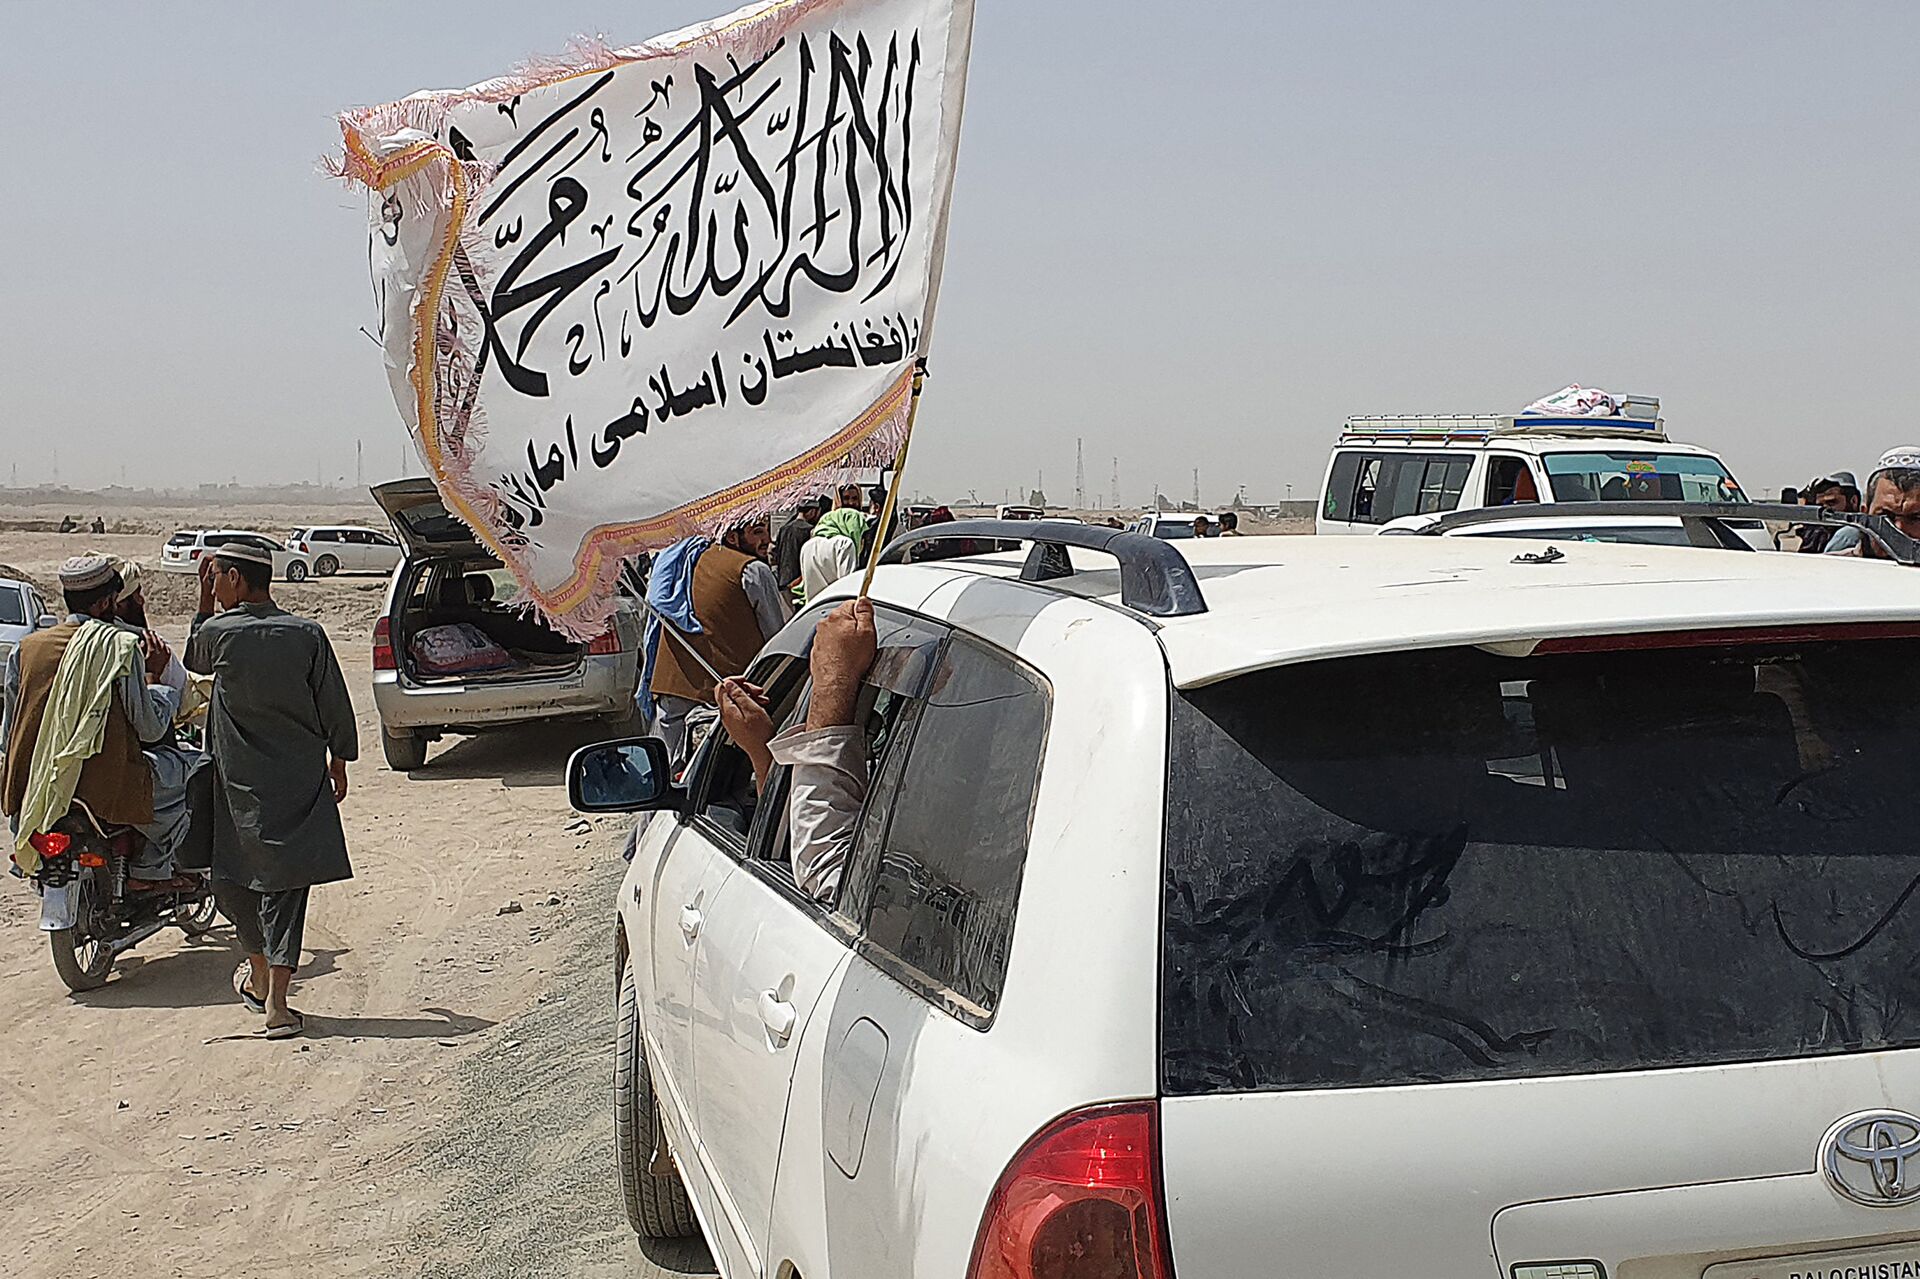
{"points": [[449, 580], [23, 610], [346, 548], [185, 549], [1172, 526], [1387, 468], [1330, 909]]}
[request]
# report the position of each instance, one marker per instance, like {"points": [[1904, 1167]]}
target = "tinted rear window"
{"points": [[182, 539], [1454, 866], [13, 607]]}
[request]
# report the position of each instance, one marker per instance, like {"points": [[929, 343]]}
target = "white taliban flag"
{"points": [[649, 292]]}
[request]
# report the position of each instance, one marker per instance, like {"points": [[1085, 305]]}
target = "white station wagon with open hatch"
{"points": [[1304, 908]]}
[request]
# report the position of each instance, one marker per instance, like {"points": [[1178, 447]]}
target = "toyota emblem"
{"points": [[1873, 1158]]}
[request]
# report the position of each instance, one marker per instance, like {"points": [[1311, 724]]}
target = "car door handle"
{"points": [[690, 921], [777, 1015]]}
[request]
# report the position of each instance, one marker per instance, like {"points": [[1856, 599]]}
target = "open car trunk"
{"points": [[464, 606]]}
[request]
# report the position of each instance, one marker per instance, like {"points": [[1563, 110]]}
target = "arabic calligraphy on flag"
{"points": [[651, 291]]}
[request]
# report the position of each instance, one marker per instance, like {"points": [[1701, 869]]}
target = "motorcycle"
{"points": [[86, 909]]}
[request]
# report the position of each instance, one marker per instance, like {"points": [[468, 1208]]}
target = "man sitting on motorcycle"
{"points": [[81, 706]]}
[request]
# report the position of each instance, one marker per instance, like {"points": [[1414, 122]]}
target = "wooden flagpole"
{"points": [[893, 489]]}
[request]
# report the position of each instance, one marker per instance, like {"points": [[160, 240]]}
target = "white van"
{"points": [[1385, 468]]}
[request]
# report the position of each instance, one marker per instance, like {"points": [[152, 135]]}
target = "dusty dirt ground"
{"points": [[448, 1113]]}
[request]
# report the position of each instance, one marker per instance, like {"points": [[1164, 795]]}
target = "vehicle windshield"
{"points": [[13, 607], [1172, 530], [1620, 476], [1452, 865]]}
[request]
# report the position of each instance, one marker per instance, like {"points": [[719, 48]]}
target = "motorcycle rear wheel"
{"points": [[83, 962]]}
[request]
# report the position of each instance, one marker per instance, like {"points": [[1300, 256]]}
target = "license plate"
{"points": [[1896, 1261]]}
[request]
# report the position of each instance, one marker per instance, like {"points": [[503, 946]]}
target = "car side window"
{"points": [[1338, 503], [1443, 484], [938, 903], [1367, 489], [725, 799]]}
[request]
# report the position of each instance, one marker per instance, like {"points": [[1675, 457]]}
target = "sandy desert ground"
{"points": [[448, 1113]]}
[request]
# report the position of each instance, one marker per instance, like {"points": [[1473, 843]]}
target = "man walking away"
{"points": [[82, 700], [793, 536], [281, 733], [724, 602]]}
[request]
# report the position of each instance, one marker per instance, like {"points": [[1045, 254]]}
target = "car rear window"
{"points": [[182, 539], [1453, 866], [13, 606]]}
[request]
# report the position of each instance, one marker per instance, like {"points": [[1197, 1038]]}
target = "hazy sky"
{"points": [[1195, 234]]}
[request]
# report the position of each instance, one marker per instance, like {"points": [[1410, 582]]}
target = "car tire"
{"points": [[657, 1207], [326, 566], [296, 572], [404, 751]]}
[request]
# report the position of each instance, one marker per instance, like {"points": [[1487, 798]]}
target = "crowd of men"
{"points": [[90, 716], [1892, 490]]}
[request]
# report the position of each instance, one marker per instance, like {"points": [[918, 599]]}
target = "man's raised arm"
{"points": [[829, 755]]}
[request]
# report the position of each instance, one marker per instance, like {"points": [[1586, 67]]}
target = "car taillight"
{"points": [[606, 644], [51, 843], [194, 554], [93, 861], [383, 645], [1081, 1201]]}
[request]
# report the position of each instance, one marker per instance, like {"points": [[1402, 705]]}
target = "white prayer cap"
{"points": [[1904, 458], [86, 573], [129, 571], [244, 553]]}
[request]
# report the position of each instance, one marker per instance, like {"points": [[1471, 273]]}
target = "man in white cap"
{"points": [[1893, 490], [281, 731], [83, 702]]}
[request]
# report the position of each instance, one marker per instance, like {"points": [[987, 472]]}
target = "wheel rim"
{"points": [[200, 918], [326, 566], [91, 954], [297, 573]]}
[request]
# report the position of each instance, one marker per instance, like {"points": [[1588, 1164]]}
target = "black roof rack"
{"points": [[1706, 522], [1155, 579]]}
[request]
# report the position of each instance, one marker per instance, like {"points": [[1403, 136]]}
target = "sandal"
{"points": [[254, 1003], [295, 1027]]}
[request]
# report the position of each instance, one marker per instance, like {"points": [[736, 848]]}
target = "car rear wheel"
{"points": [[657, 1206], [404, 751], [326, 566], [296, 572]]}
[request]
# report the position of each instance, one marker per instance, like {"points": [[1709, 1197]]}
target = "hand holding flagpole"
{"points": [[893, 489]]}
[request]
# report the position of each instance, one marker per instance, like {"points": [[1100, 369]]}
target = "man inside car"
{"points": [[828, 753]]}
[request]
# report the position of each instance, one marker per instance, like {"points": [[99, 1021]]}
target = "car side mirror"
{"points": [[634, 775], [46, 623]]}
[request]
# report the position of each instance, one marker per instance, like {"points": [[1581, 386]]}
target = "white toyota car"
{"points": [[1304, 908]]}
